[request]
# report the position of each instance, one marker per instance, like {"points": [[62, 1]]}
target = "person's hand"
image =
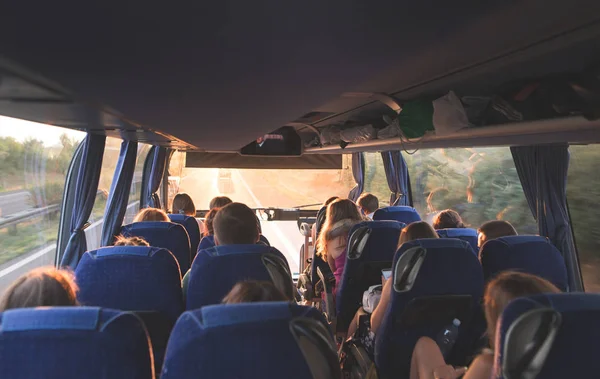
{"points": [[448, 372]]}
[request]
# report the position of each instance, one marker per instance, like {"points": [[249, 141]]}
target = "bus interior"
{"points": [[491, 109]]}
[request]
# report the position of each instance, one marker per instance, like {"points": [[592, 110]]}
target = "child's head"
{"points": [[219, 202], [447, 219], [368, 203], [151, 214], [253, 291], [42, 287], [341, 216], [209, 229], [183, 204], [494, 229], [235, 224], [416, 230], [130, 241]]}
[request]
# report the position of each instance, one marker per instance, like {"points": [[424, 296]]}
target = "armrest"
{"points": [[328, 282]]}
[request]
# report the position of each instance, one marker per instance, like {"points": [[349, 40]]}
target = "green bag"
{"points": [[416, 118]]}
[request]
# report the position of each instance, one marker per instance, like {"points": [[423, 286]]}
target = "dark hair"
{"points": [[183, 204], [42, 287], [151, 214], [209, 221], [253, 291], [496, 229], [368, 202], [236, 224], [130, 241], [416, 230], [219, 202], [330, 200], [447, 219]]}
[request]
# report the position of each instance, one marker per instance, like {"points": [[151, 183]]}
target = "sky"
{"points": [[21, 130]]}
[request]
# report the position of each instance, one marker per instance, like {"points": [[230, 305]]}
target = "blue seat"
{"points": [[397, 213], [73, 342], [209, 241], [434, 282], [550, 336], [465, 234], [371, 248], [216, 270], [134, 278], [532, 254], [168, 235], [192, 228], [254, 340]]}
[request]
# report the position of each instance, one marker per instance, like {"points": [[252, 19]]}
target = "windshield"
{"points": [[260, 188]]}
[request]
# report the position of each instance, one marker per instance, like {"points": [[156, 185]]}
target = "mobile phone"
{"points": [[386, 273]]}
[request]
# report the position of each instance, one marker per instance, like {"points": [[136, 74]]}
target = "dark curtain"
{"points": [[543, 174], [120, 188], [156, 171], [85, 196], [358, 171], [398, 180]]}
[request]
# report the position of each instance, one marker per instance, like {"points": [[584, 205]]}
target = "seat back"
{"points": [[192, 228], [549, 336], [142, 279], [371, 248], [466, 234], [532, 254], [73, 342], [168, 235], [253, 340], [434, 282], [216, 270], [400, 213]]}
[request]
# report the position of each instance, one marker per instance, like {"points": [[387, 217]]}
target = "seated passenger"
{"points": [[368, 204], [447, 219], [252, 291], [184, 205], [130, 241], [219, 202], [494, 229], [42, 287], [151, 214], [341, 216], [427, 360], [208, 222], [314, 226], [414, 231]]}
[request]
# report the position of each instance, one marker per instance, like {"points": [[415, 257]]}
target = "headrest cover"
{"points": [[143, 251], [231, 314], [457, 232], [58, 318]]}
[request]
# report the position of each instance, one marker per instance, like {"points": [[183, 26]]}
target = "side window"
{"points": [[34, 159], [136, 184], [583, 195], [481, 184], [375, 179]]}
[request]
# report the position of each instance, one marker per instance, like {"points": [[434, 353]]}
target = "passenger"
{"points": [[368, 204], [341, 216], [208, 222], [151, 214], [184, 205], [252, 291], [494, 229], [130, 241], [447, 219], [42, 287], [219, 202], [427, 360], [314, 226]]}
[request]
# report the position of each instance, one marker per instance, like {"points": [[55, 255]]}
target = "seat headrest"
{"points": [[361, 233], [142, 251], [457, 232], [152, 225], [180, 217], [222, 250], [229, 314], [400, 213], [57, 318]]}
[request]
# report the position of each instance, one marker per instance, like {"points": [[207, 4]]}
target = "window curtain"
{"points": [[396, 172], [358, 171], [116, 205], [543, 171], [156, 171], [86, 187]]}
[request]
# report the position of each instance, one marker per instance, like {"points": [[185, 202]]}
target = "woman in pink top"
{"points": [[342, 215]]}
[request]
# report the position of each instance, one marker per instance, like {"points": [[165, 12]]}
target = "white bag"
{"points": [[358, 134], [449, 114], [371, 298], [330, 135]]}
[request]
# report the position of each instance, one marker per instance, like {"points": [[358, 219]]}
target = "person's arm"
{"points": [[481, 367], [378, 312]]}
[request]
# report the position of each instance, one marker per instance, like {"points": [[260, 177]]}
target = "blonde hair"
{"points": [[183, 204], [341, 216], [130, 241], [151, 214], [209, 229], [42, 287], [505, 287], [416, 230]]}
